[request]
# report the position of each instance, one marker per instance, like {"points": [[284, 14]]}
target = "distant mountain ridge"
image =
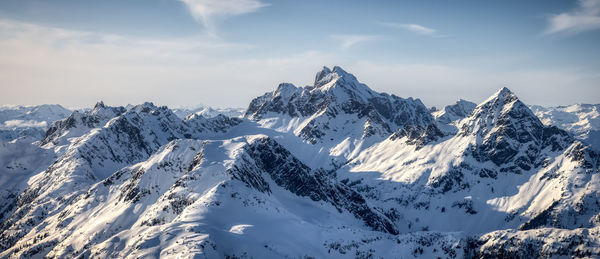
{"points": [[208, 112], [582, 120], [28, 121], [331, 170]]}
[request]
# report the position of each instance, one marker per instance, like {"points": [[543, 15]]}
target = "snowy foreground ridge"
{"points": [[332, 170]]}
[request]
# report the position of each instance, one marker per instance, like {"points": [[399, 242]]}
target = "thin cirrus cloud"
{"points": [[348, 41], [46, 64], [416, 28], [206, 11], [584, 18]]}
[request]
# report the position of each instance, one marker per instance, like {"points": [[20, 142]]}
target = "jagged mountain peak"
{"points": [[508, 132], [145, 107], [99, 104], [503, 93], [340, 112], [462, 107], [331, 88], [149, 110], [463, 102], [321, 74], [454, 112], [103, 110], [285, 91], [334, 91], [327, 75], [503, 105], [80, 122], [502, 96], [340, 84], [337, 69]]}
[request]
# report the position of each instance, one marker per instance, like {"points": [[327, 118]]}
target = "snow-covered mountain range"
{"points": [[208, 112], [582, 120], [331, 170], [28, 121]]}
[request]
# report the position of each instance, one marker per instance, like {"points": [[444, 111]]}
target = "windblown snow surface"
{"points": [[331, 170]]}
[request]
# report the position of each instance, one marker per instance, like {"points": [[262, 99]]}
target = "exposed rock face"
{"points": [[510, 132], [289, 173], [543, 243], [81, 121], [417, 135]]}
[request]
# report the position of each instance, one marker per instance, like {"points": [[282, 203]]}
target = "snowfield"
{"points": [[331, 170]]}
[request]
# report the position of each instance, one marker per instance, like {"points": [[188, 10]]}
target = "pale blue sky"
{"points": [[225, 52]]}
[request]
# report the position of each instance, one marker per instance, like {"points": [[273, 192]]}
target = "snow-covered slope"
{"points": [[19, 160], [581, 120], [333, 170], [218, 198], [28, 121], [90, 146], [503, 170]]}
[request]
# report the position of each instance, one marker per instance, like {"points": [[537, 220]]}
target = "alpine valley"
{"points": [[331, 170]]}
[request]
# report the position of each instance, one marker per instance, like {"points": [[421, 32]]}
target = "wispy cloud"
{"points": [[44, 64], [205, 11], [416, 28], [349, 40], [584, 18]]}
